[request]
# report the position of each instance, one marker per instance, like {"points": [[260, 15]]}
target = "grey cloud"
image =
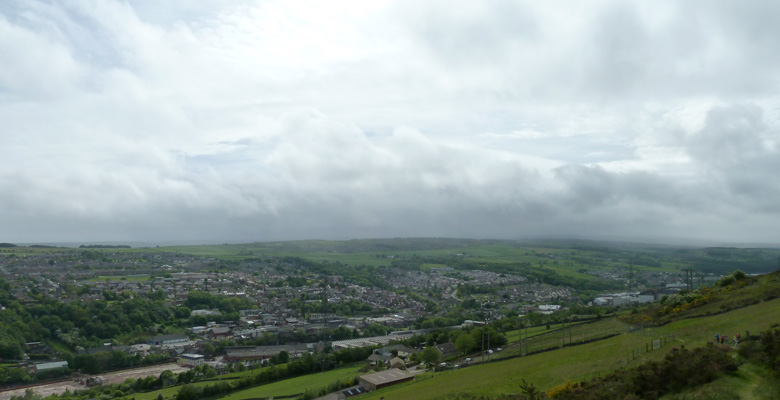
{"points": [[474, 33], [734, 149], [731, 135], [206, 126]]}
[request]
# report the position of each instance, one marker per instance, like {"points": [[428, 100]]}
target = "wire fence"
{"points": [[653, 344]]}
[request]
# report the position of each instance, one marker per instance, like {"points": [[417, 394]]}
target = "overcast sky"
{"points": [[268, 120]]}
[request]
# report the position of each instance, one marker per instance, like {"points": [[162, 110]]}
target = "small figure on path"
{"points": [[717, 338]]}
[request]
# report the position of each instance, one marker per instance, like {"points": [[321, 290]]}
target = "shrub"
{"points": [[680, 369]]}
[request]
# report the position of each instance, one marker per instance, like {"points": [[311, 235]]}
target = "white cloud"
{"points": [[298, 119]]}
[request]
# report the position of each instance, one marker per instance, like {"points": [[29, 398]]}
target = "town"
{"points": [[93, 310]]}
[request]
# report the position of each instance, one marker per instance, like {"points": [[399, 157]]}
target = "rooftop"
{"points": [[382, 377]]}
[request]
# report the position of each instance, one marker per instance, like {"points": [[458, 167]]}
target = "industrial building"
{"points": [[386, 378]]}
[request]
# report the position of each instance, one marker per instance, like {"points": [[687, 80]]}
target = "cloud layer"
{"points": [[243, 121]]}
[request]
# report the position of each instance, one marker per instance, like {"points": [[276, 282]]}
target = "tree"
{"points": [[30, 395], [167, 378], [10, 347], [530, 391], [465, 343], [282, 358], [189, 392], [430, 355]]}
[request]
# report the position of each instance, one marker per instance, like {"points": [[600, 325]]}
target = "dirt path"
{"points": [[112, 377], [754, 380]]}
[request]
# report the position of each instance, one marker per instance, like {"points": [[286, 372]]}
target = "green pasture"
{"points": [[344, 258], [575, 363], [374, 252], [281, 388], [296, 385], [168, 393], [225, 252], [514, 335], [750, 382]]}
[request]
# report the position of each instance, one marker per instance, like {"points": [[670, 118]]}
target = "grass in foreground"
{"points": [[751, 382], [296, 385], [281, 388], [577, 363]]}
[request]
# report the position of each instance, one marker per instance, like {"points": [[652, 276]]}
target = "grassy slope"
{"points": [[751, 382], [168, 393], [514, 335], [581, 362], [296, 385], [281, 388]]}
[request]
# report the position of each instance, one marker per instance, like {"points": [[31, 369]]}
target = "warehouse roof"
{"points": [[383, 377]]}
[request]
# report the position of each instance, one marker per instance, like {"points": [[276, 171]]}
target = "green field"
{"points": [[168, 393], [514, 335], [296, 385], [376, 252], [281, 388], [750, 382], [553, 368], [444, 253], [555, 331]]}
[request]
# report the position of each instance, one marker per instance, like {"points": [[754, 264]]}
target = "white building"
{"points": [[602, 301], [191, 360], [548, 308]]}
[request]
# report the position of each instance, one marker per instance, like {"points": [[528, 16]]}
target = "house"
{"points": [[447, 350], [397, 363], [401, 350], [39, 348], [386, 378], [219, 333], [142, 349], [197, 329], [191, 360], [377, 356], [162, 340]]}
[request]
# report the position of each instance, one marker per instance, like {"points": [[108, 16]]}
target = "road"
{"points": [[111, 377]]}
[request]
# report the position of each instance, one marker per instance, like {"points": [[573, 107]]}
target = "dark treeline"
{"points": [[104, 246]]}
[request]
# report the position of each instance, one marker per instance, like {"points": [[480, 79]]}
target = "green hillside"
{"points": [[691, 328]]}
